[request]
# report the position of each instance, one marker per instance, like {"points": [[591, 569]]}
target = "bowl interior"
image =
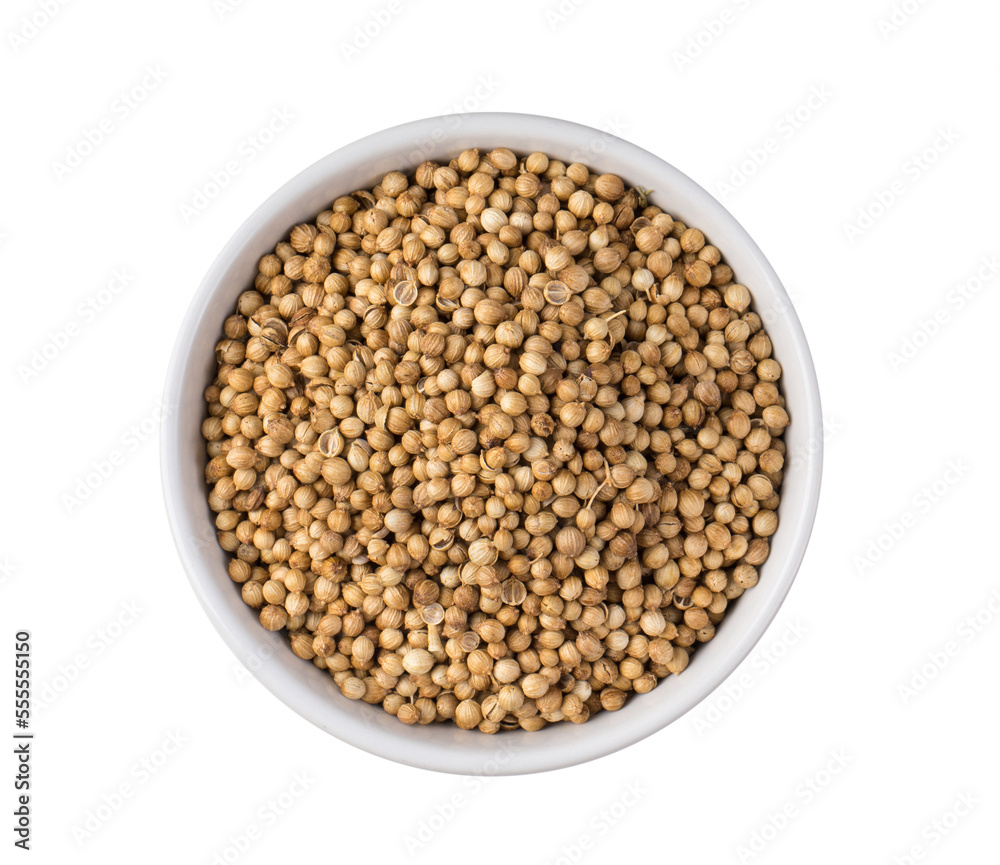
{"points": [[311, 692]]}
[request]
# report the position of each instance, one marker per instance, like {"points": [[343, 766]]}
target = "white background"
{"points": [[910, 457]]}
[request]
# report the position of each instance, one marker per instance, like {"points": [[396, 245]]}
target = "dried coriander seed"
{"points": [[496, 442]]}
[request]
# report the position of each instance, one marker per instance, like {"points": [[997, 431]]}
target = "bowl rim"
{"points": [[307, 702]]}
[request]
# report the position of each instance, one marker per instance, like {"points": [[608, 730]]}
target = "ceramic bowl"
{"points": [[311, 692]]}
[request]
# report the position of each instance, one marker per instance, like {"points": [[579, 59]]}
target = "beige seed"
{"points": [[496, 441], [418, 661], [468, 714], [534, 686], [404, 293]]}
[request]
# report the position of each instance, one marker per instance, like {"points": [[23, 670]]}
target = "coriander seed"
{"points": [[495, 442]]}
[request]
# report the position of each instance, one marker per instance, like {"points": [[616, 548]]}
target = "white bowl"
{"points": [[312, 692]]}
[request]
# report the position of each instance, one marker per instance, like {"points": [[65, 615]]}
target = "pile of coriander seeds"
{"points": [[495, 443]]}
